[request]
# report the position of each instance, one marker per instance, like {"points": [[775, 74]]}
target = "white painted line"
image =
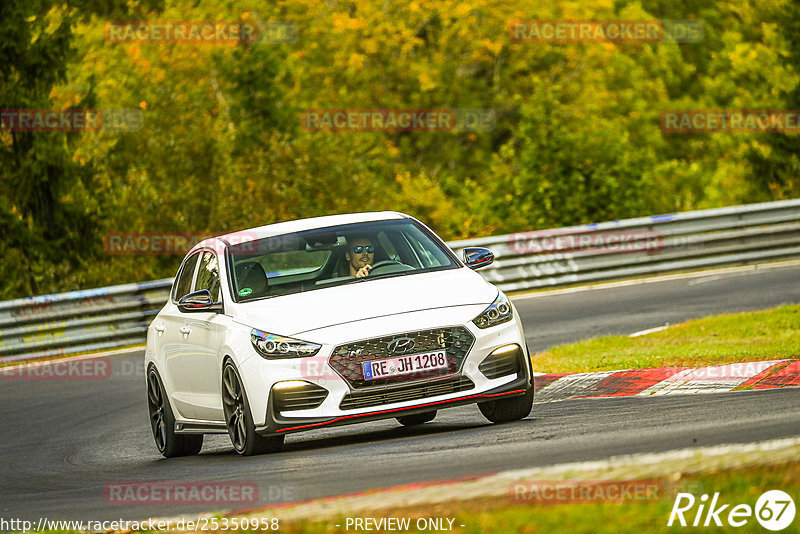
{"points": [[704, 280], [649, 331], [715, 278]]}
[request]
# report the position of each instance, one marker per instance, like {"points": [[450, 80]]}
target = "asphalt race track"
{"points": [[65, 441]]}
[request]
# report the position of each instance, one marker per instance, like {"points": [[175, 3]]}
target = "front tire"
{"points": [[416, 419], [511, 409], [514, 408], [162, 422], [238, 419]]}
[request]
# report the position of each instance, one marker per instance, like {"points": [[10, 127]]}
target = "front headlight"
{"points": [[275, 346], [499, 312]]}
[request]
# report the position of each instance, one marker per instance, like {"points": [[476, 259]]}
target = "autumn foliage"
{"points": [[574, 136]]}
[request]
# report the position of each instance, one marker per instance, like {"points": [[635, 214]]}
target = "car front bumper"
{"points": [[344, 400], [278, 424]]}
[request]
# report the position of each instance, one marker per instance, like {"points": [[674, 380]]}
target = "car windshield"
{"points": [[325, 257]]}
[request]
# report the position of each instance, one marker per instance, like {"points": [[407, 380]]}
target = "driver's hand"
{"points": [[364, 271]]}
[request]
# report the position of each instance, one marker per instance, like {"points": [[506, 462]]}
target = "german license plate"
{"points": [[403, 365]]}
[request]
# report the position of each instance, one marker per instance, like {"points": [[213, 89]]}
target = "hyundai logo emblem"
{"points": [[401, 345]]}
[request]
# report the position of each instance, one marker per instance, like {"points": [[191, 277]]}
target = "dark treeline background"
{"points": [[576, 140]]}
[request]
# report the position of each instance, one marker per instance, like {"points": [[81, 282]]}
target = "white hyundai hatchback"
{"points": [[328, 321]]}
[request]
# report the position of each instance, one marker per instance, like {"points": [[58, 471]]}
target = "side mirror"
{"points": [[199, 301], [477, 257]]}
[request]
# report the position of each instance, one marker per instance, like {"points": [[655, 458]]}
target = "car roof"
{"points": [[300, 225]]}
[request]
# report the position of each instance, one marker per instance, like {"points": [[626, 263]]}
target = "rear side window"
{"points": [[183, 284], [208, 275]]}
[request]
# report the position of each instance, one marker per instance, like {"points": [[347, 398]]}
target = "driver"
{"points": [[360, 256]]}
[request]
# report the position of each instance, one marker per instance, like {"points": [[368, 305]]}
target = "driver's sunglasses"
{"points": [[361, 248]]}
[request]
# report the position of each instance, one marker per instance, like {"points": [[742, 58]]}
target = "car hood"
{"points": [[292, 315]]}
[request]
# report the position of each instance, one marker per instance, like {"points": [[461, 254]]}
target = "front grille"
{"points": [[497, 365], [409, 392], [347, 359], [300, 398]]}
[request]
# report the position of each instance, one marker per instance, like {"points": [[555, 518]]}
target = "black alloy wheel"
{"points": [[162, 422], [238, 419]]}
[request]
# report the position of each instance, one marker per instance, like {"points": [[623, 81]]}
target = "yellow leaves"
{"points": [[370, 45], [356, 61], [134, 51], [342, 21], [81, 159], [157, 75], [762, 148], [493, 47], [393, 151], [426, 83], [462, 9]]}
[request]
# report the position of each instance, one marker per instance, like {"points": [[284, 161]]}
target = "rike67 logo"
{"points": [[774, 510]]}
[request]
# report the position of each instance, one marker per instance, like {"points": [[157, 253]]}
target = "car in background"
{"points": [[267, 331]]}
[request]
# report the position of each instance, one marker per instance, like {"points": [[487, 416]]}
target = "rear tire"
{"points": [[162, 422], [416, 419], [239, 420]]}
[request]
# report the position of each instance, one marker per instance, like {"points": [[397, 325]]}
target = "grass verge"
{"points": [[504, 515], [741, 337], [500, 516]]}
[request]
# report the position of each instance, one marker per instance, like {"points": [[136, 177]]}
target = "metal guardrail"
{"points": [[105, 318], [740, 235], [79, 321]]}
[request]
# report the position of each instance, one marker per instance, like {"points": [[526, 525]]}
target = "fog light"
{"points": [[298, 395], [291, 384], [502, 361]]}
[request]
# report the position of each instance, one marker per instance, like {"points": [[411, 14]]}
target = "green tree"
{"points": [[44, 224], [776, 162]]}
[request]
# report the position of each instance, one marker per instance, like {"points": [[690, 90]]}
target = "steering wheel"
{"points": [[386, 263]]}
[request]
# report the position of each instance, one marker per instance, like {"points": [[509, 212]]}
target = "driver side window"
{"points": [[183, 284], [208, 275]]}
